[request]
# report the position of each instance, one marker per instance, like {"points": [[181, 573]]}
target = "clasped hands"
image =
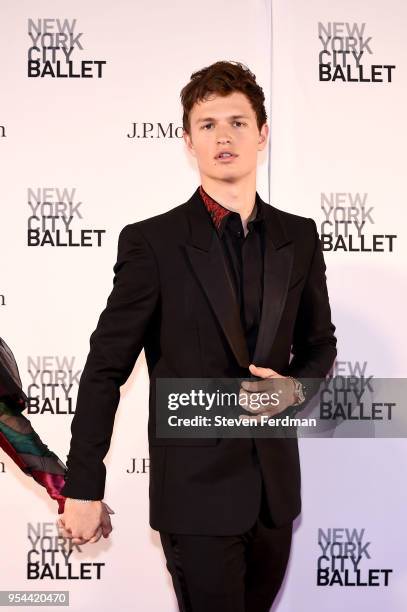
{"points": [[85, 522], [272, 383]]}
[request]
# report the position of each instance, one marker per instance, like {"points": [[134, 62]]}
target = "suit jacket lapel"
{"points": [[205, 254], [278, 262]]}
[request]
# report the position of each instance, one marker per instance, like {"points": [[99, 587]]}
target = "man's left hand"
{"points": [[272, 383]]}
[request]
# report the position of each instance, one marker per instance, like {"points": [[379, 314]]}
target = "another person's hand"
{"points": [[272, 383], [84, 522]]}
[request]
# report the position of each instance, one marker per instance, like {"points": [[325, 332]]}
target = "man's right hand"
{"points": [[85, 521]]}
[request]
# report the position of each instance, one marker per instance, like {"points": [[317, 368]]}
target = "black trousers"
{"points": [[239, 573]]}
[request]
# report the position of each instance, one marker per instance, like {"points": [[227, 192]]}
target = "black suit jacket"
{"points": [[172, 295]]}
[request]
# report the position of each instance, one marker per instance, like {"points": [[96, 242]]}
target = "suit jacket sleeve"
{"points": [[114, 347], [314, 341]]}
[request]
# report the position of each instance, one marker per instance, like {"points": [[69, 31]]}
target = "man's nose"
{"points": [[222, 138]]}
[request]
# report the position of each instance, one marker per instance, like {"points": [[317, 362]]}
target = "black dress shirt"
{"points": [[245, 259]]}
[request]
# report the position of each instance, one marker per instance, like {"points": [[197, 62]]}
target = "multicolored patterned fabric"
{"points": [[217, 212], [17, 437]]}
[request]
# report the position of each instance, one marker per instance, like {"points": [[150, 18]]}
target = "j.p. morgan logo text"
{"points": [[345, 53], [348, 219], [53, 46], [344, 555], [139, 466], [154, 130], [54, 218]]}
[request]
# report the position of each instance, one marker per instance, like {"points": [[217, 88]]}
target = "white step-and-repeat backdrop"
{"points": [[91, 140]]}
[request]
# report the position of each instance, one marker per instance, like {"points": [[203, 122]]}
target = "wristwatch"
{"points": [[299, 391]]}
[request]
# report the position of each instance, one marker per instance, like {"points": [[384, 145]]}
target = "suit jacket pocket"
{"points": [[296, 282]]}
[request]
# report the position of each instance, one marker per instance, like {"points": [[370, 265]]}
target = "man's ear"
{"points": [[263, 134]]}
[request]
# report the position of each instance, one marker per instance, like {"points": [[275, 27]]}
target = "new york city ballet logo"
{"points": [[345, 560], [345, 55], [50, 556], [54, 45], [54, 380], [55, 219], [349, 225]]}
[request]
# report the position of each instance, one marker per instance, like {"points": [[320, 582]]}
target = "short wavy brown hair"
{"points": [[222, 78]]}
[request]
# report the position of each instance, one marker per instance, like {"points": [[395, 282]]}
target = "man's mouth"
{"points": [[225, 155]]}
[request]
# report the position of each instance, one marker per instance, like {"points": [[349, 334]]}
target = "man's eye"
{"points": [[209, 124]]}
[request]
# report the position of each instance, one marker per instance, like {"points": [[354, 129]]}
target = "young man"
{"points": [[223, 285]]}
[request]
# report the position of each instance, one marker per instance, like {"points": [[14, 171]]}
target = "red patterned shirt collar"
{"points": [[219, 213]]}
